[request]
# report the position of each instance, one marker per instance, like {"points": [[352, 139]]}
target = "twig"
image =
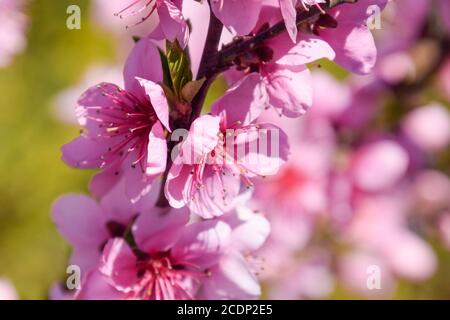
{"points": [[211, 48]]}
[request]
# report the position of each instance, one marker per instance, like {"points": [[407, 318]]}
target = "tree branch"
{"points": [[211, 48]]}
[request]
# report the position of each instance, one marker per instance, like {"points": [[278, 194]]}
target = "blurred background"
{"points": [[46, 67]]}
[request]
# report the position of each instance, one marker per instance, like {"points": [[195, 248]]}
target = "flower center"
{"points": [[127, 122], [161, 279]]}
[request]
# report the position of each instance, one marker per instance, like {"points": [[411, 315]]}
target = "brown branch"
{"points": [[211, 48]]}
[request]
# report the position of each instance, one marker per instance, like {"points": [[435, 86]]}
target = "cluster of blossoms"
{"points": [[369, 182], [169, 216]]}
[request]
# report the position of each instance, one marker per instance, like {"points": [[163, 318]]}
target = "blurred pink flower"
{"points": [[365, 92], [355, 268], [379, 224], [396, 67], [7, 290], [379, 165], [444, 229], [296, 197], [64, 109], [12, 31], [430, 138], [309, 278], [125, 134]]}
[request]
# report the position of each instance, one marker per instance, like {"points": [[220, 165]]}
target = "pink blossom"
{"points": [[364, 105], [172, 25], [281, 66], [173, 260], [404, 253], [323, 107], [12, 32], [218, 153], [431, 189], [410, 256], [88, 225], [125, 134], [396, 67], [417, 128]]}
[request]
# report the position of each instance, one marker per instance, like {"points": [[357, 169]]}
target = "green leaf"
{"points": [[179, 67]]}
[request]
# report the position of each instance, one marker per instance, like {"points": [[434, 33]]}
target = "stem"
{"points": [[214, 62], [211, 48]]}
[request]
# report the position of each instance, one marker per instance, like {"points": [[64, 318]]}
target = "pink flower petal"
{"points": [[118, 264], [158, 230], [202, 244], [241, 16], [80, 220], [290, 17], [231, 279], [172, 22], [143, 62], [158, 99], [157, 151], [244, 102]]}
